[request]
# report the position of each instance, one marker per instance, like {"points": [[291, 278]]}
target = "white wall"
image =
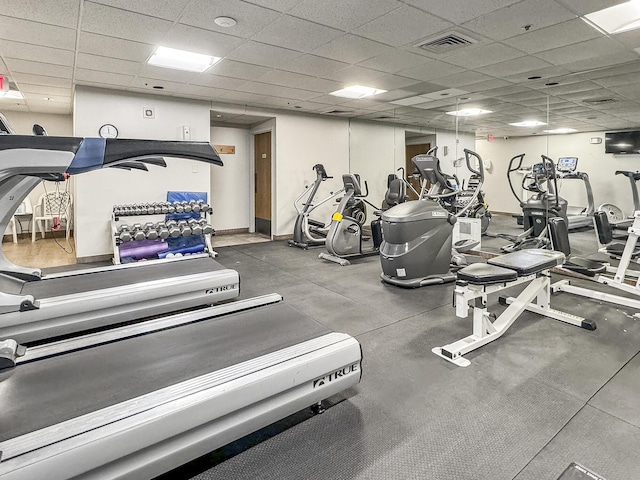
{"points": [[231, 184], [56, 125], [601, 167], [96, 192], [455, 145]]}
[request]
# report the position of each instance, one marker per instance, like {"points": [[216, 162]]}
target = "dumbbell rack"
{"points": [[116, 242]]}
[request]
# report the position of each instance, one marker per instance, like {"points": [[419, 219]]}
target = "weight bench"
{"points": [[478, 280]]}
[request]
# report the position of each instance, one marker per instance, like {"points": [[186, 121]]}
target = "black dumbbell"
{"points": [[184, 227], [172, 227], [150, 231]]}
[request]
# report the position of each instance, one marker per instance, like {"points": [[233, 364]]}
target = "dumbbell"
{"points": [[196, 226], [124, 234], [178, 207], [206, 228], [150, 231], [204, 206], [157, 208], [184, 227], [174, 230], [163, 231], [164, 207], [137, 232], [195, 205], [186, 206]]}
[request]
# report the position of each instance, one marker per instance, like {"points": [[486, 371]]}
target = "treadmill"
{"points": [[578, 217], [34, 307]]}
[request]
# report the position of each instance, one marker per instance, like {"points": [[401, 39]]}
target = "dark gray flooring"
{"points": [[544, 395]]}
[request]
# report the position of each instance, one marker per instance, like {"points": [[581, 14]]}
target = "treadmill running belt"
{"points": [[87, 282], [36, 395]]}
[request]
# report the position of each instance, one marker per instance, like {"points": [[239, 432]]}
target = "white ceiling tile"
{"points": [[63, 13], [572, 88], [355, 75], [34, 53], [459, 11], [403, 26], [582, 7], [296, 80], [296, 33], [597, 47], [35, 33], [201, 91], [266, 89], [431, 70], [629, 91], [487, 85], [589, 95], [279, 5], [114, 47], [631, 67], [106, 64], [555, 36], [618, 80], [167, 10], [547, 74], [251, 18], [484, 55], [262, 54], [217, 81], [45, 90], [169, 74], [106, 78], [630, 39], [394, 82], [36, 68], [591, 64], [343, 14], [117, 23], [231, 68], [395, 95], [185, 37], [54, 101], [461, 79], [42, 80], [394, 62], [47, 108], [409, 101], [508, 22], [243, 97], [352, 49], [148, 84], [313, 65], [515, 66]]}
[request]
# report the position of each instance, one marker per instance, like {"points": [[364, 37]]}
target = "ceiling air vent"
{"points": [[601, 101], [446, 43]]}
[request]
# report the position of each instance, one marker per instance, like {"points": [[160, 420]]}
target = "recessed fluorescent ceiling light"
{"points": [[469, 112], [528, 123], [616, 19], [357, 91], [561, 130], [182, 60], [11, 94]]}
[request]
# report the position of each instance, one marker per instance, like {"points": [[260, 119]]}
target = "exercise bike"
{"points": [[417, 247], [308, 232], [545, 203], [345, 238]]}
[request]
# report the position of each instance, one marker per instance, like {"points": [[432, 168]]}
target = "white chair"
{"points": [[50, 205], [24, 210]]}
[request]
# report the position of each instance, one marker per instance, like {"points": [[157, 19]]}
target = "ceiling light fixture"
{"points": [[357, 91], [561, 130], [528, 123], [552, 84], [619, 18], [182, 60], [534, 77], [13, 94], [225, 22], [468, 112]]}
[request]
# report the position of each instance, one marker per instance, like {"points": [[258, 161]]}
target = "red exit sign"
{"points": [[4, 84]]}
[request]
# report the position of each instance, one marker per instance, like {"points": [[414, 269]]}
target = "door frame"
{"points": [[252, 177]]}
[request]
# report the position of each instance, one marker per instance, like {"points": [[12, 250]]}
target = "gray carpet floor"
{"points": [[544, 395]]}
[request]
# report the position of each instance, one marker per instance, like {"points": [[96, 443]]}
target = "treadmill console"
{"points": [[567, 164]]}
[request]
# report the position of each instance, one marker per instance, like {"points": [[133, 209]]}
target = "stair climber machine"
{"points": [[544, 204], [345, 238], [617, 219], [156, 390], [578, 217], [308, 232], [417, 248]]}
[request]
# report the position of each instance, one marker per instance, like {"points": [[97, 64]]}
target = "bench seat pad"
{"points": [[483, 274], [527, 262]]}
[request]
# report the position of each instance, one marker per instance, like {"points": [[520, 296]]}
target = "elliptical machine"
{"points": [[308, 232], [416, 249], [545, 203], [345, 238]]}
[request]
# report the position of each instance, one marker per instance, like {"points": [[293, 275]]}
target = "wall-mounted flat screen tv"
{"points": [[622, 142]]}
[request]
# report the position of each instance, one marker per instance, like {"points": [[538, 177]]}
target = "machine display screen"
{"points": [[567, 164]]}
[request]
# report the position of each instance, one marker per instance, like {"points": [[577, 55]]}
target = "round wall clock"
{"points": [[108, 131]]}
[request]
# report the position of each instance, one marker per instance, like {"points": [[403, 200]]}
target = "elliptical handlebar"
{"points": [[548, 161], [480, 172], [512, 169], [433, 151], [319, 168]]}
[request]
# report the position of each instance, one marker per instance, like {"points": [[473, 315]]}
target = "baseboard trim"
{"points": [[283, 237], [94, 258], [232, 231]]}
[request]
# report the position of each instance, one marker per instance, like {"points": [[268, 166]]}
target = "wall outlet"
{"points": [[186, 132], [148, 112]]}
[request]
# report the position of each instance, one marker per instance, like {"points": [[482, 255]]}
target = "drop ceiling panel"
{"points": [[617, 81], [167, 10], [582, 7], [34, 53], [461, 79], [352, 49], [355, 75], [106, 64], [487, 85], [231, 68], [431, 70], [41, 99], [601, 46], [45, 90], [556, 36], [313, 65], [36, 68], [37, 33], [114, 47], [514, 67], [184, 37], [262, 54], [600, 62], [547, 74], [47, 108], [459, 11], [202, 91], [241, 97], [393, 82], [278, 5], [117, 23], [42, 80], [295, 80], [251, 18], [394, 62], [630, 39], [168, 74], [405, 25], [63, 13], [483, 55], [217, 81], [147, 84], [345, 15], [508, 22], [106, 78], [276, 91], [295, 33]]}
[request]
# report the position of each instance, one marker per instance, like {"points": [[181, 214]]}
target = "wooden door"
{"points": [[262, 165], [412, 151]]}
